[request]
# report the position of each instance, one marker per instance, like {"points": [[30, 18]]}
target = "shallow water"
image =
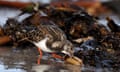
{"points": [[24, 60]]}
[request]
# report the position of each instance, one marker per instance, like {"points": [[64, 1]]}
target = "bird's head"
{"points": [[68, 48]]}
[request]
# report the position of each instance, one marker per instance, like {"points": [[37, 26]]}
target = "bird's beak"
{"points": [[65, 52]]}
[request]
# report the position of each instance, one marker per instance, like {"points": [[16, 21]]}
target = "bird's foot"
{"points": [[56, 56], [39, 58]]}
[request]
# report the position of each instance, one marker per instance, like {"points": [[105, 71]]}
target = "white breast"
{"points": [[42, 45]]}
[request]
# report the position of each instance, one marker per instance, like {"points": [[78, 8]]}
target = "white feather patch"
{"points": [[42, 45]]}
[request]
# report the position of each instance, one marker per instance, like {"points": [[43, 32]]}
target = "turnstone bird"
{"points": [[47, 37]]}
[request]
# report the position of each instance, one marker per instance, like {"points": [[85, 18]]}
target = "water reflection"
{"points": [[24, 60]]}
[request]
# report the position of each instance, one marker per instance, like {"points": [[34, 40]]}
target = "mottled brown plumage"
{"points": [[47, 36]]}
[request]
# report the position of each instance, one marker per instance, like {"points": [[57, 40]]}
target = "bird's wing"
{"points": [[58, 37]]}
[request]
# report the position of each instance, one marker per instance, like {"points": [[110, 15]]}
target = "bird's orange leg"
{"points": [[41, 54], [56, 56]]}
